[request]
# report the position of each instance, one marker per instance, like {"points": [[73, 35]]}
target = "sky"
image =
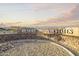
{"points": [[30, 13]]}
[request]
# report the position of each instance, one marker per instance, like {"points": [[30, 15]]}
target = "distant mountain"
{"points": [[11, 24]]}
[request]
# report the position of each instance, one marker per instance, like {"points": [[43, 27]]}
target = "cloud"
{"points": [[68, 16], [72, 13], [51, 6], [67, 11]]}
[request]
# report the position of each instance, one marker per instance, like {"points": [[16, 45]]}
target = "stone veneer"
{"points": [[71, 42]]}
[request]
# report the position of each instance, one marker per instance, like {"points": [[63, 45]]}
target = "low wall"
{"points": [[9, 37]]}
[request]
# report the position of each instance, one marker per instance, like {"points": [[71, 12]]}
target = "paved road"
{"points": [[34, 48]]}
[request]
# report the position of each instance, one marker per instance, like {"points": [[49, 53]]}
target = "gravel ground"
{"points": [[32, 48]]}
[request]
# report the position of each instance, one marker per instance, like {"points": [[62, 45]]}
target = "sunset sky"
{"points": [[33, 13]]}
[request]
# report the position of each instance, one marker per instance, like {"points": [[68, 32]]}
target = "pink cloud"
{"points": [[71, 13], [67, 15], [48, 6]]}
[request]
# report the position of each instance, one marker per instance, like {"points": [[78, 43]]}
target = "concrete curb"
{"points": [[63, 48]]}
